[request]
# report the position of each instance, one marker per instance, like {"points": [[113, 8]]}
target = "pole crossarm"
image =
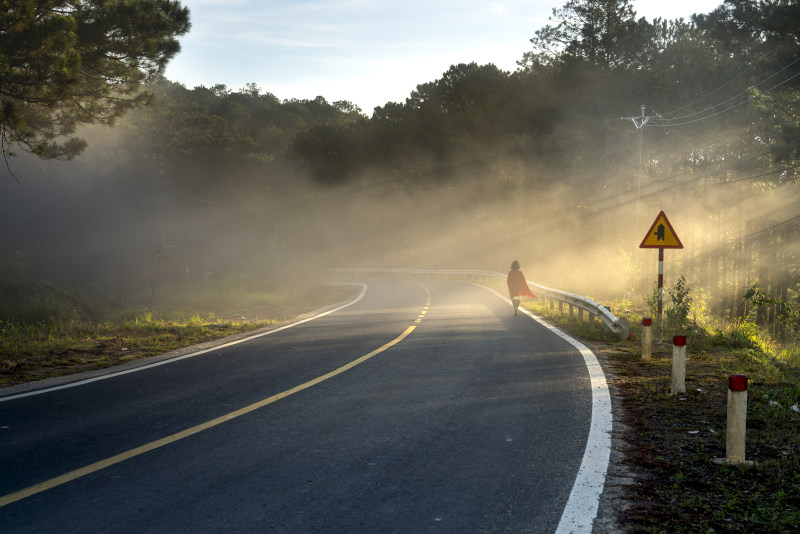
{"points": [[641, 120]]}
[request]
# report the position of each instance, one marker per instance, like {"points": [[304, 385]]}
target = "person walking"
{"points": [[518, 286]]}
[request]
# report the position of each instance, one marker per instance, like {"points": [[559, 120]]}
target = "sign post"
{"points": [[661, 235]]}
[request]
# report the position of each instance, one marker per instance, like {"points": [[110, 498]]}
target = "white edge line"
{"points": [[185, 356], [584, 499]]}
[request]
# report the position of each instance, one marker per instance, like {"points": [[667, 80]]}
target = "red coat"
{"points": [[517, 286]]}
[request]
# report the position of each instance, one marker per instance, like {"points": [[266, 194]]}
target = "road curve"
{"points": [[423, 407]]}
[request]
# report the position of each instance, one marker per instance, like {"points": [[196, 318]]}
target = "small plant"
{"points": [[652, 300], [701, 314], [621, 306], [680, 306], [741, 334], [146, 317]]}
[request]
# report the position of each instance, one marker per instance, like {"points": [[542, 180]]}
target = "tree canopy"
{"points": [[601, 32], [64, 63], [536, 153]]}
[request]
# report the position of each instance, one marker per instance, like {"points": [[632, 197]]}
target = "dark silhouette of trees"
{"points": [[721, 94], [66, 63]]}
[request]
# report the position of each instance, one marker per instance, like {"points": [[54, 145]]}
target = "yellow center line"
{"points": [[97, 466]]}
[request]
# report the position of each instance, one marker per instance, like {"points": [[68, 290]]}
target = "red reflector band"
{"points": [[679, 341], [737, 382]]}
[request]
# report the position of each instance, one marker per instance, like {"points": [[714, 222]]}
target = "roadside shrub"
{"points": [[787, 312], [790, 354], [742, 334], [677, 313], [39, 302]]}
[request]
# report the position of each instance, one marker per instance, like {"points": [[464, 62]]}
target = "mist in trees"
{"points": [[556, 164]]}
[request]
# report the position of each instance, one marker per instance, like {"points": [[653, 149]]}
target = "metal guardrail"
{"points": [[618, 325]]}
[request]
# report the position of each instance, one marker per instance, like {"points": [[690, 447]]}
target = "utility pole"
{"points": [[639, 122]]}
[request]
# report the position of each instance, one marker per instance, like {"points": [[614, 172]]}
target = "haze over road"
{"points": [[470, 419]]}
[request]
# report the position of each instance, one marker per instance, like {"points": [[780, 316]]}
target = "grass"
{"points": [[66, 335], [672, 441]]}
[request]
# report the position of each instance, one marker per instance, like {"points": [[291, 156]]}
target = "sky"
{"points": [[368, 52]]}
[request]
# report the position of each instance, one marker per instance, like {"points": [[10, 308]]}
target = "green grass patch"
{"points": [[586, 327], [66, 334], [673, 440]]}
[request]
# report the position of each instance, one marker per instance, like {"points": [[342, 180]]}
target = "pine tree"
{"points": [[64, 63]]}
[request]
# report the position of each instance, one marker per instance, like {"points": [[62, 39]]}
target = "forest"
{"points": [[562, 164]]}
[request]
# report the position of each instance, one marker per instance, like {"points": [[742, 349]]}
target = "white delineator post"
{"points": [[647, 338], [737, 418], [679, 364]]}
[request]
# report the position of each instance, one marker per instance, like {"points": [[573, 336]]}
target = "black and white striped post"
{"points": [[661, 235], [660, 317]]}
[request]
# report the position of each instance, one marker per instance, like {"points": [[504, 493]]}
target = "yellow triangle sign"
{"points": [[661, 235]]}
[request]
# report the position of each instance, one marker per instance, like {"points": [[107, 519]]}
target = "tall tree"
{"points": [[602, 32], [766, 33], [64, 63]]}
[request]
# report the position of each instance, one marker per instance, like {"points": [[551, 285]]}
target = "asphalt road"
{"points": [[474, 421]]}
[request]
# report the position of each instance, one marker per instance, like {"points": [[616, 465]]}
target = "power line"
{"points": [[705, 174], [753, 64], [770, 228], [735, 96], [671, 125], [757, 176]]}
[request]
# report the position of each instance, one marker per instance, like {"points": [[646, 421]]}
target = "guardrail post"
{"points": [[737, 418], [647, 338], [570, 311], [580, 314], [679, 364]]}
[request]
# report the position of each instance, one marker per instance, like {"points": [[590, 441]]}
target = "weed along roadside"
{"points": [[673, 437], [79, 341]]}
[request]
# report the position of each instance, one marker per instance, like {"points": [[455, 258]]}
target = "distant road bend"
{"points": [[422, 406]]}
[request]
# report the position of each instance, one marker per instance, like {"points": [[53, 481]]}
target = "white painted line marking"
{"points": [[185, 356], [584, 499], [127, 455]]}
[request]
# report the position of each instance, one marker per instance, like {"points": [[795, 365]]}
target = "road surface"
{"points": [[425, 406]]}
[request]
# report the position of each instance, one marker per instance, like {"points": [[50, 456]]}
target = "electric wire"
{"points": [[671, 125], [750, 67], [770, 228], [778, 171], [731, 98], [664, 186]]}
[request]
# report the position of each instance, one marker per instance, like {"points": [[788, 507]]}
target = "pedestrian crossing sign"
{"points": [[661, 234]]}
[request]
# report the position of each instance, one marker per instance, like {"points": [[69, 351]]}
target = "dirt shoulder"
{"points": [[665, 475]]}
